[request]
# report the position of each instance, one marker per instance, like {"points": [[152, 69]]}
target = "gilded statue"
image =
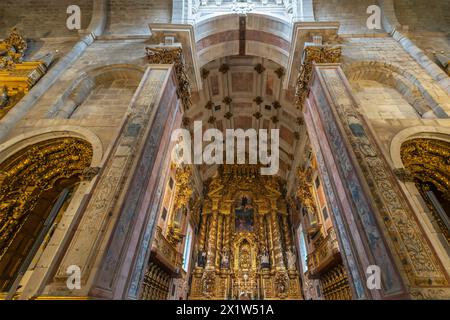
{"points": [[12, 50]]}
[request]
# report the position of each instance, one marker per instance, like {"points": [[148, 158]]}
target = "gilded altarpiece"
{"points": [[245, 247]]}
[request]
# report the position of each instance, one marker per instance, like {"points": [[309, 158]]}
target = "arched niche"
{"points": [[103, 92], [37, 184], [387, 92]]}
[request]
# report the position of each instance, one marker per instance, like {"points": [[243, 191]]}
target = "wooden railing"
{"points": [[166, 252]]}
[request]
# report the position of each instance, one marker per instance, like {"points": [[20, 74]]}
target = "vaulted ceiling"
{"points": [[242, 92]]}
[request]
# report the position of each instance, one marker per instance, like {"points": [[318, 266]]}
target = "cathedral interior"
{"points": [[93, 205]]}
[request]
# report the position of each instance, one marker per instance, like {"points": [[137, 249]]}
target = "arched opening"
{"points": [[387, 92], [427, 160], [102, 92], [36, 186]]}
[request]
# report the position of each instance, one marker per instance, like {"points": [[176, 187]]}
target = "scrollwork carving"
{"points": [[171, 55]]}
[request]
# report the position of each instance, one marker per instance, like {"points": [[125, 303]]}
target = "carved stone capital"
{"points": [[90, 173], [403, 174]]}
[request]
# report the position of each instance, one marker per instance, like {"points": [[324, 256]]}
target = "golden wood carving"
{"points": [[304, 190], [427, 164], [166, 249], [335, 284], [27, 175], [16, 77], [12, 50], [428, 161], [313, 54], [184, 188], [171, 55]]}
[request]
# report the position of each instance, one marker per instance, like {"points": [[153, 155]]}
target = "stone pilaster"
{"points": [[219, 240], [211, 255], [277, 248]]}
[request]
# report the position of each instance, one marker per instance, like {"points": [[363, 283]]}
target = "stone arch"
{"points": [[266, 36], [429, 132], [405, 83], [37, 184], [91, 81], [433, 224]]}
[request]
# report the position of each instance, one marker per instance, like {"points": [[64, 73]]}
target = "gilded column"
{"points": [[271, 246], [287, 233], [202, 234], [210, 262], [262, 235], [278, 254], [219, 240], [227, 240]]}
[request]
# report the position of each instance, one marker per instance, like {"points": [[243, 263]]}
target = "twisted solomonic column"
{"points": [[211, 257], [278, 254]]}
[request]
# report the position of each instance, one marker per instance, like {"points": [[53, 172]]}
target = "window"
{"points": [[187, 249], [325, 213], [164, 214], [302, 246]]}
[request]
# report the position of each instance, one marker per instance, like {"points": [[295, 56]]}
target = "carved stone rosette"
{"points": [[27, 176], [12, 50]]}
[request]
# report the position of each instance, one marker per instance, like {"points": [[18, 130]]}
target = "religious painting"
{"points": [[244, 215]]}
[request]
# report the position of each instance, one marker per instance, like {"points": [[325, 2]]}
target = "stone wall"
{"points": [[426, 23], [133, 16], [42, 18], [350, 13]]}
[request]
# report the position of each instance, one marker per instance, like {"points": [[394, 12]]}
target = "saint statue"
{"points": [[265, 259], [201, 259], [291, 259], [225, 259]]}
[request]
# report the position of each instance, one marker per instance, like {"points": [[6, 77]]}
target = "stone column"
{"points": [[211, 255], [361, 187]]}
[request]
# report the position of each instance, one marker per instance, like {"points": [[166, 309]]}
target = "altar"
{"points": [[245, 247]]}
